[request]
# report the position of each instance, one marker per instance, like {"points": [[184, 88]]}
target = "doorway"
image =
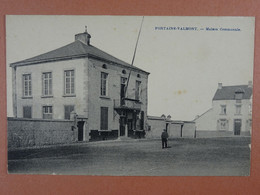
{"points": [[237, 126], [122, 126], [80, 130]]}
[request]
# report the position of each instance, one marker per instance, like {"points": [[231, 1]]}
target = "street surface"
{"points": [[185, 157]]}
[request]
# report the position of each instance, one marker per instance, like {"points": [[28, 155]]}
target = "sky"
{"points": [[185, 66]]}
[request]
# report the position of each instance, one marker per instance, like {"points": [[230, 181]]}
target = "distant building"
{"points": [[173, 127], [82, 79], [231, 112]]}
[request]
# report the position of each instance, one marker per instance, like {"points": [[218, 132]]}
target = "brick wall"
{"points": [[39, 132]]}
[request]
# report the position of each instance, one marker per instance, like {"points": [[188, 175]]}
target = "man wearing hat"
{"points": [[164, 137]]}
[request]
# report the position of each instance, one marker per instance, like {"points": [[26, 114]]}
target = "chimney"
{"points": [[83, 37], [250, 84], [219, 85]]}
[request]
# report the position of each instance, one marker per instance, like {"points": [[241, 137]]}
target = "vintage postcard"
{"points": [[129, 95]]}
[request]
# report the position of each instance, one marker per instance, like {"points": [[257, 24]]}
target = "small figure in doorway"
{"points": [[164, 137]]}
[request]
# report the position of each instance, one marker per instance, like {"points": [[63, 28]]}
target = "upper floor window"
{"points": [[223, 109], [138, 76], [46, 83], [250, 109], [238, 109], [238, 101], [104, 84], [27, 85], [104, 66], [137, 90], [47, 112], [69, 82]]}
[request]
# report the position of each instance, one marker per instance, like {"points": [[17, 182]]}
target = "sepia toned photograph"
{"points": [[129, 95]]}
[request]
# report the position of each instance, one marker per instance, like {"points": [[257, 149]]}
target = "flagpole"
{"points": [[134, 55]]}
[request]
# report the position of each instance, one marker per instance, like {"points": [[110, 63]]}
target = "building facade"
{"points": [[174, 128], [231, 112], [104, 95]]}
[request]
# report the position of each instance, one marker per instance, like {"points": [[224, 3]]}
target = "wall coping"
{"points": [[38, 120]]}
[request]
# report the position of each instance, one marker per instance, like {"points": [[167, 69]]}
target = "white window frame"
{"points": [[70, 112], [48, 113], [104, 84], [221, 127], [71, 84], [47, 84], [223, 110], [238, 111], [27, 85], [138, 88]]}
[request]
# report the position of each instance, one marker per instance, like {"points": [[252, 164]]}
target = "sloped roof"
{"points": [[76, 49], [228, 92]]}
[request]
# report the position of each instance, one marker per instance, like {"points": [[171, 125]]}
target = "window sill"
{"points": [[47, 96], [238, 114], [105, 130], [105, 97], [29, 97], [69, 95], [223, 114]]}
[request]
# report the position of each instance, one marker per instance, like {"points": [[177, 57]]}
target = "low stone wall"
{"points": [[188, 129], [175, 128], [155, 128], [38, 132], [206, 134]]}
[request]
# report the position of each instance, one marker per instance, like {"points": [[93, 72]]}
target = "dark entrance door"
{"points": [[237, 126], [80, 130], [122, 126]]}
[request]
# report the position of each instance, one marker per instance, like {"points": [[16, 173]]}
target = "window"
{"points": [[122, 92], [69, 82], [123, 80], [47, 112], [47, 84], [137, 90], [223, 109], [223, 124], [104, 84], [250, 109], [67, 110], [238, 101], [27, 85], [238, 109], [27, 112], [104, 118], [104, 66]]}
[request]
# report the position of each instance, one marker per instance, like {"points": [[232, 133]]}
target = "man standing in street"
{"points": [[164, 137]]}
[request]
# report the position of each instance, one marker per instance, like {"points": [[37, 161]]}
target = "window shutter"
{"points": [[104, 118]]}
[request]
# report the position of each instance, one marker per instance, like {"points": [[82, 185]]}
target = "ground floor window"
{"points": [[104, 118], [47, 112], [67, 110], [223, 124], [27, 112]]}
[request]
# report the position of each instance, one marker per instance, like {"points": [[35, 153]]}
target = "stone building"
{"points": [[174, 128], [231, 112], [82, 79]]}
